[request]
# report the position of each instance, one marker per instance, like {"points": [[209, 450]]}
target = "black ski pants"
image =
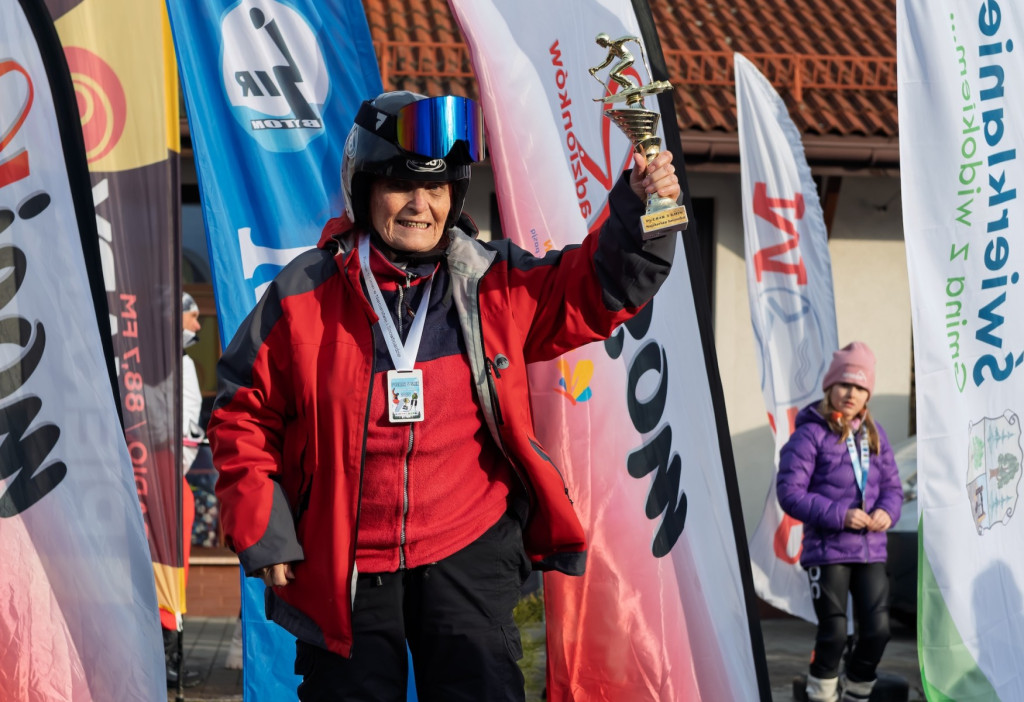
{"points": [[869, 586], [456, 616]]}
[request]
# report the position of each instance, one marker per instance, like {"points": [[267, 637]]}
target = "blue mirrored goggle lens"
{"points": [[433, 126]]}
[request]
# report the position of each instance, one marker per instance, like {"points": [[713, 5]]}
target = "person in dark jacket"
{"points": [[837, 475], [378, 464]]}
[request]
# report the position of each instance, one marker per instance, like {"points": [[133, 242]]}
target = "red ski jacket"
{"points": [[289, 425]]}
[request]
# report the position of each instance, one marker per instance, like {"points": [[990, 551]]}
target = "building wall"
{"points": [[872, 305]]}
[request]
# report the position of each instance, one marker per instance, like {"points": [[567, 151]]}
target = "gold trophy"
{"points": [[640, 125]]}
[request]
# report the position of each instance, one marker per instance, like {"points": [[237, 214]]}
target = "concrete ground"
{"points": [[788, 643], [206, 647]]}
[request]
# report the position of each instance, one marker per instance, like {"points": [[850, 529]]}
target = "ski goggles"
{"points": [[431, 127]]}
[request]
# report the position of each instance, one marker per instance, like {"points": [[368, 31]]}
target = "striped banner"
{"points": [[272, 87], [122, 67], [78, 611], [789, 283], [961, 78], [666, 608]]}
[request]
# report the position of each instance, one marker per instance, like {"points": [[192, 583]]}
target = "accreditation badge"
{"points": [[405, 396]]}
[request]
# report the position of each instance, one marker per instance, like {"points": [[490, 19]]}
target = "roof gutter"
{"points": [[826, 154]]}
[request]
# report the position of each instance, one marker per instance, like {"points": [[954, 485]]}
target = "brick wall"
{"points": [[212, 589]]}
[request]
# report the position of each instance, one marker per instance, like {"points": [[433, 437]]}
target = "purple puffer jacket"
{"points": [[816, 485]]}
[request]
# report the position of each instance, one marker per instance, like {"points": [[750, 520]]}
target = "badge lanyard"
{"points": [[860, 466], [405, 383]]}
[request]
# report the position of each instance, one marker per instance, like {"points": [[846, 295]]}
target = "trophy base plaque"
{"points": [[660, 220]]}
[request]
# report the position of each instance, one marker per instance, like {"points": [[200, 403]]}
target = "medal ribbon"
{"points": [[861, 465], [403, 356]]}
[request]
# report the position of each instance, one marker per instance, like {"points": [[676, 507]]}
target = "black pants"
{"points": [[869, 586], [456, 615]]}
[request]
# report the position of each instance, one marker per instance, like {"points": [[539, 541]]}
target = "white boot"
{"points": [[856, 691], [234, 659], [822, 689]]}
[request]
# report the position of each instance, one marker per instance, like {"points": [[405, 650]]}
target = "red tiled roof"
{"points": [[852, 28], [421, 68], [843, 50]]}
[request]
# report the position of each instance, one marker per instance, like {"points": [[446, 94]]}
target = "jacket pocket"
{"points": [[544, 455], [513, 642], [294, 477], [494, 373]]}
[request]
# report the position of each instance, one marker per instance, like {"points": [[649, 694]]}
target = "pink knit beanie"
{"points": [[853, 364]]}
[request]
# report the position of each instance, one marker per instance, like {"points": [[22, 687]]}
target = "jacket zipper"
{"points": [[398, 303], [405, 500], [408, 451], [863, 505]]}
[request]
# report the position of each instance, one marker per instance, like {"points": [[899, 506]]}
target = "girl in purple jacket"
{"points": [[837, 476]]}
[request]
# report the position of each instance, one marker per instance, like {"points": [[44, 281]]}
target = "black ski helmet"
{"points": [[372, 150]]}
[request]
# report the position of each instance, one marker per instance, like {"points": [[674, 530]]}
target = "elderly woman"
{"points": [[379, 468]]}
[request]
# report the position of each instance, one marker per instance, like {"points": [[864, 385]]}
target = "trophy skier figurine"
{"points": [[640, 125]]}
